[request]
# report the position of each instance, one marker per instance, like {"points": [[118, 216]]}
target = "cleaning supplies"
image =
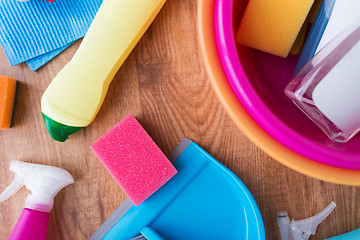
{"points": [[327, 88], [133, 159], [204, 200], [8, 87], [76, 94], [44, 182], [347, 236], [262, 26], [301, 230]]}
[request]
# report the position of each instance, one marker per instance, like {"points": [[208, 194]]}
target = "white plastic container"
{"points": [[327, 89]]}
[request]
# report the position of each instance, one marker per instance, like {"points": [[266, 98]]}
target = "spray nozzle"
{"points": [[43, 181], [302, 229]]}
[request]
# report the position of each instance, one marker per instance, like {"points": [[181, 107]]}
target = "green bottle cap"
{"points": [[58, 131]]}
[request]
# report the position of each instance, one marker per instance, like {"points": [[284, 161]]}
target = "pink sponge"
{"points": [[133, 159]]}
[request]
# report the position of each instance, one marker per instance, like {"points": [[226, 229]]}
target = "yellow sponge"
{"points": [[272, 25]]}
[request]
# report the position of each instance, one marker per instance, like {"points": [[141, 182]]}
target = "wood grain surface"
{"points": [[164, 85]]}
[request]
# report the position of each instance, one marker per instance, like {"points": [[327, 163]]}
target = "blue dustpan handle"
{"points": [[150, 234]]}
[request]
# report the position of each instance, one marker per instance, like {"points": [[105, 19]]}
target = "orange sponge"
{"points": [[7, 99], [272, 25]]}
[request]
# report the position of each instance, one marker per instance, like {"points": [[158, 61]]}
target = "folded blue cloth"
{"points": [[38, 30], [37, 62]]}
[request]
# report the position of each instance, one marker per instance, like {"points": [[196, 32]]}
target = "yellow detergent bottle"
{"points": [[76, 94]]}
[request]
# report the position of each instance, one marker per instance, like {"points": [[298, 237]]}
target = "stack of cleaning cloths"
{"points": [[36, 31]]}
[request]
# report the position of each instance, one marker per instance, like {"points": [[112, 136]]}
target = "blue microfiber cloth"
{"points": [[37, 62], [38, 30]]}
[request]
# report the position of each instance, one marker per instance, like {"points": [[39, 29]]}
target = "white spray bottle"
{"points": [[44, 182], [301, 230]]}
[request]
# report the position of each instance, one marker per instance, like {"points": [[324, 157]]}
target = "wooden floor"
{"points": [[164, 85]]}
